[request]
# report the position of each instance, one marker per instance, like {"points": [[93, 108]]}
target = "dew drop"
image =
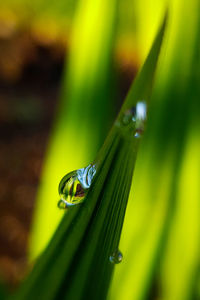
{"points": [[134, 119], [62, 204], [129, 116], [137, 135], [73, 186], [116, 257], [141, 110]]}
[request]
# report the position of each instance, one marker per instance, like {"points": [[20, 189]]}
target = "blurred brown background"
{"points": [[30, 76]]}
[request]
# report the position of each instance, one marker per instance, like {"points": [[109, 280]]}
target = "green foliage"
{"points": [[3, 292], [161, 234], [160, 239], [84, 113], [76, 263]]}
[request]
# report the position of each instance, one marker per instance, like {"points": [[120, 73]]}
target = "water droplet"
{"points": [[137, 135], [134, 118], [129, 116], [116, 257], [73, 186], [141, 110], [62, 204]]}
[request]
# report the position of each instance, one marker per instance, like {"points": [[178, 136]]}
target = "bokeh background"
{"points": [[30, 76]]}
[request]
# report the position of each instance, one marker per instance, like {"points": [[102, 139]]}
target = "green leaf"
{"points": [[84, 114], [76, 263], [3, 291], [161, 234]]}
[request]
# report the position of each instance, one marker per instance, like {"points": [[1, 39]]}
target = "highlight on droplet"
{"points": [[116, 257]]}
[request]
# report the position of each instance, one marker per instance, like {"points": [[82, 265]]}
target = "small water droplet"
{"points": [[134, 118], [62, 204], [116, 257], [141, 112], [129, 116], [137, 135], [73, 186]]}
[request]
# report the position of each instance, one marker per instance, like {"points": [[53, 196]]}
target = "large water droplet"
{"points": [[116, 257], [73, 186], [134, 118]]}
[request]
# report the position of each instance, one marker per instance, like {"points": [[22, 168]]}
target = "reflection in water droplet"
{"points": [[116, 257], [62, 204], [134, 118], [73, 186]]}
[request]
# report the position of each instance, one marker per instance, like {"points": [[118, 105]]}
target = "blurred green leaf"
{"points": [[161, 234], [84, 113], [76, 263], [3, 292], [148, 17]]}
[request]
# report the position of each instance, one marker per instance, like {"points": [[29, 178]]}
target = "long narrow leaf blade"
{"points": [[76, 264]]}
